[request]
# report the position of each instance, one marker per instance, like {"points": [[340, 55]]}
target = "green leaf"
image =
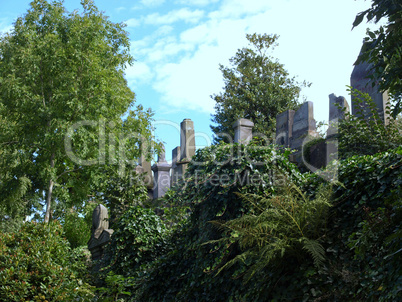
{"points": [[359, 18]]}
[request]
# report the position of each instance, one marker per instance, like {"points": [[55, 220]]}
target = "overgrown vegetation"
{"points": [[37, 264], [383, 48], [281, 226], [291, 237], [365, 133], [245, 225]]}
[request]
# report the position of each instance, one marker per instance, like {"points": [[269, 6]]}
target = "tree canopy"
{"points": [[62, 96], [383, 47], [257, 87]]}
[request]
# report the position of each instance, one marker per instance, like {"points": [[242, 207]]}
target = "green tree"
{"points": [[62, 96], [257, 87], [383, 47]]}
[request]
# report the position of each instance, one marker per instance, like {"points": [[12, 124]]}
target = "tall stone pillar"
{"points": [[284, 124], [360, 80], [338, 107], [175, 169], [162, 176], [303, 130], [187, 139], [303, 125], [187, 146], [243, 129]]}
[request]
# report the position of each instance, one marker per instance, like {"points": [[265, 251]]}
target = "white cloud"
{"points": [[183, 14], [152, 3], [196, 2], [121, 8], [239, 8], [138, 73], [190, 82], [314, 44], [6, 29], [133, 22]]}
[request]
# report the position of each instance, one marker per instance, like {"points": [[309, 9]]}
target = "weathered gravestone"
{"points": [[304, 125], [338, 110], [360, 80], [243, 131], [161, 175], [284, 124], [338, 107], [187, 146], [101, 233], [175, 168]]}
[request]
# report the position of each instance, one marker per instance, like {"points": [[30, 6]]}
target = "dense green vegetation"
{"points": [[284, 236], [37, 264], [383, 47], [62, 98], [245, 225]]}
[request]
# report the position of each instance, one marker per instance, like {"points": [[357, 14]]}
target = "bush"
{"points": [[37, 264], [76, 229], [365, 133], [278, 228], [213, 180], [362, 242], [138, 238]]}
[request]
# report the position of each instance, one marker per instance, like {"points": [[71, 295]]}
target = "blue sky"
{"points": [[179, 44]]}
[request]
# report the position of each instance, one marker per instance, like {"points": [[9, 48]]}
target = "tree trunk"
{"points": [[49, 192]]}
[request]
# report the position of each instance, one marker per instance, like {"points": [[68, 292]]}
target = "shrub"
{"points": [[138, 237], [362, 242], [37, 264], [365, 133], [363, 245], [278, 228], [76, 229], [213, 180]]}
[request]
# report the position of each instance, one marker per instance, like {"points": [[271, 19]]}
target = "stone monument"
{"points": [[284, 124], [187, 147], [101, 233], [175, 168], [338, 107], [304, 125], [360, 80], [161, 175], [243, 129]]}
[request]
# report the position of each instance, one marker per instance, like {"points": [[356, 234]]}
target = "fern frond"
{"points": [[316, 250], [239, 258]]}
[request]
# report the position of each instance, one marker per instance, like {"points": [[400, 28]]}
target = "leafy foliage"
{"points": [[257, 87], [37, 264], [61, 79], [365, 133], [213, 180], [76, 228], [138, 237], [355, 258], [383, 47], [362, 243], [278, 227]]}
